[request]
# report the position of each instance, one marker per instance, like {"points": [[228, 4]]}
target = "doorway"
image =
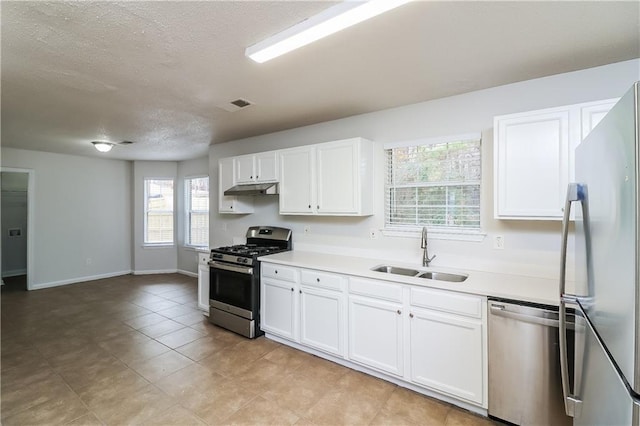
{"points": [[16, 226]]}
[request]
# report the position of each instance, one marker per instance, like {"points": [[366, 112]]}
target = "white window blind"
{"points": [[158, 211], [435, 185], [197, 211]]}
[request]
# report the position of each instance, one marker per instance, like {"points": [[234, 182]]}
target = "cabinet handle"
{"points": [[318, 207], [399, 312], [291, 288], [276, 271], [250, 177], [300, 291], [317, 279], [410, 315], [230, 207], [309, 205], [257, 176]]}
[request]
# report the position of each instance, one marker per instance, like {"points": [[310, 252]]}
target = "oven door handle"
{"points": [[232, 268]]}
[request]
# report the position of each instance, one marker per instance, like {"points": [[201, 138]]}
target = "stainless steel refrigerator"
{"points": [[605, 386]]}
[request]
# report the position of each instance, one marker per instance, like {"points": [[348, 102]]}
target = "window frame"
{"points": [[187, 211], [436, 232], [145, 213]]}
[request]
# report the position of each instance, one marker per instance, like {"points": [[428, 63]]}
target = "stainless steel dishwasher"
{"points": [[524, 363]]}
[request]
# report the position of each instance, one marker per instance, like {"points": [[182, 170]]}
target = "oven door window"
{"points": [[232, 288]]}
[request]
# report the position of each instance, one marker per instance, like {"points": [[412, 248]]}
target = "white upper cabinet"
{"points": [[534, 158], [591, 113], [532, 164], [296, 185], [255, 168], [230, 204], [332, 179]]}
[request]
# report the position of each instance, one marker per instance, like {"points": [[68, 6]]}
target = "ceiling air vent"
{"points": [[236, 105]]}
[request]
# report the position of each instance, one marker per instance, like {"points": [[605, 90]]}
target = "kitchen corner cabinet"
{"points": [[330, 179], [203, 281], [534, 158], [230, 204], [256, 168]]}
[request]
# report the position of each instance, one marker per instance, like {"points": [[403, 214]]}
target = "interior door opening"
{"points": [[15, 226]]}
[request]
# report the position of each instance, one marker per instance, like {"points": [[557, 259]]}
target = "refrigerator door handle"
{"points": [[575, 192]]}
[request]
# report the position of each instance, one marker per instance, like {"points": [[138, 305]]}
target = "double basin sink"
{"points": [[430, 275]]}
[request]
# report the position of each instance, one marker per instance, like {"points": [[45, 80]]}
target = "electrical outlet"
{"points": [[498, 242], [373, 233], [307, 230]]}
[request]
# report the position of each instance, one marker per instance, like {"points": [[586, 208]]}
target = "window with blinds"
{"points": [[434, 184], [158, 211], [197, 212]]}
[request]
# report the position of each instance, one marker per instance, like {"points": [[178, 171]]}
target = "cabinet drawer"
{"points": [[203, 258], [445, 301], [321, 279], [279, 272], [377, 289]]}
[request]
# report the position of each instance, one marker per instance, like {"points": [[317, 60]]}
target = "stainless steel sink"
{"points": [[395, 270], [430, 275], [443, 276]]}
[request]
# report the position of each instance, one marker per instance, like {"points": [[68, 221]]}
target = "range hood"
{"points": [[253, 189]]}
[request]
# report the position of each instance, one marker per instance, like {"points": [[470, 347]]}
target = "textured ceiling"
{"points": [[156, 73]]}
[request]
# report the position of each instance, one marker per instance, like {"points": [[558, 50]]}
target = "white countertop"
{"points": [[518, 287]]}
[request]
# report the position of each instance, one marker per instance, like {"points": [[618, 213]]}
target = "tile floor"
{"points": [[135, 350]]}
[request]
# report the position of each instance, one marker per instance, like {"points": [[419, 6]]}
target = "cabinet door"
{"points": [[321, 319], [531, 165], [244, 167], [230, 204], [203, 287], [266, 167], [278, 308], [375, 334], [297, 194], [592, 113], [446, 354], [337, 178]]}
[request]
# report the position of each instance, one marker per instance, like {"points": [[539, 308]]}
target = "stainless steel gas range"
{"points": [[234, 292]]}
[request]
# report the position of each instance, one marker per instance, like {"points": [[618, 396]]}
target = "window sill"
{"points": [[436, 234], [158, 246], [200, 249]]}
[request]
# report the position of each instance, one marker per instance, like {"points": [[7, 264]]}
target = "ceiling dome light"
{"points": [[102, 146]]}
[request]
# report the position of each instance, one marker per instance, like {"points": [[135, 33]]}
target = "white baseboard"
{"points": [[188, 273], [78, 280], [155, 271], [14, 273]]}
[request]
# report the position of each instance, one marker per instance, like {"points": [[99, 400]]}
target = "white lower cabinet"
{"points": [[304, 306], [321, 319], [375, 334], [428, 338], [447, 353], [203, 281], [278, 301]]}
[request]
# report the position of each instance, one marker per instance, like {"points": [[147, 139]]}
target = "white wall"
{"points": [[531, 248], [82, 216], [14, 216], [148, 260], [187, 257]]}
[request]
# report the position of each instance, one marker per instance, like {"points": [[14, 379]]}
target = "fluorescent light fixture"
{"points": [[332, 20], [102, 146]]}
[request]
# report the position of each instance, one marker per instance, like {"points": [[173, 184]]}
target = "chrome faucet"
{"points": [[426, 260]]}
